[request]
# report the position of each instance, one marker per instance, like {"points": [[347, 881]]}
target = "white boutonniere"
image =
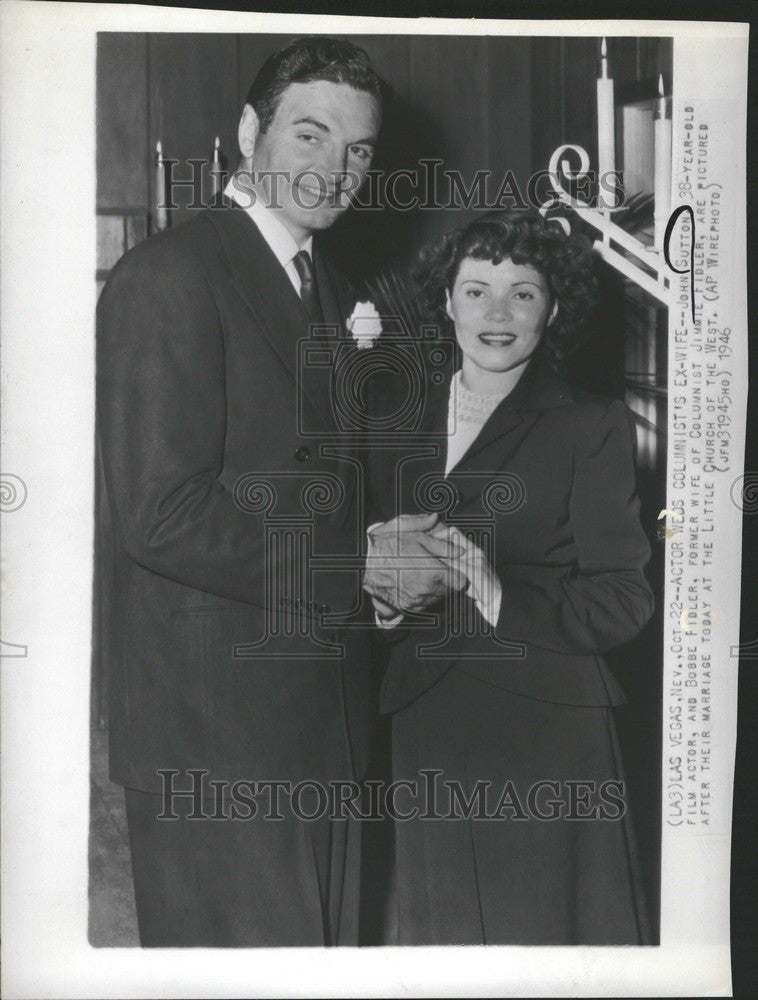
{"points": [[364, 324]]}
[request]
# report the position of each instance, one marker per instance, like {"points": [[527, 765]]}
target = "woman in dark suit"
{"points": [[501, 706]]}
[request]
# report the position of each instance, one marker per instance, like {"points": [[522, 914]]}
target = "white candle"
{"points": [[216, 171], [606, 142], [662, 189], [161, 212]]}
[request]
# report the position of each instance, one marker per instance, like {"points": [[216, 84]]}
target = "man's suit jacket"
{"points": [[548, 490], [224, 521]]}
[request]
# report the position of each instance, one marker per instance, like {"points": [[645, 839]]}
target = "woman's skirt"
{"points": [[522, 832]]}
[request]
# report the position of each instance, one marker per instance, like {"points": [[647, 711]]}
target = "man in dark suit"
{"points": [[231, 519]]}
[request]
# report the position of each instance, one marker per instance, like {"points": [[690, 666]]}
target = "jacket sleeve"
{"points": [[161, 389], [607, 600]]}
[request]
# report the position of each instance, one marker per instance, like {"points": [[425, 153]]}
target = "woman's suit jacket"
{"points": [[548, 490]]}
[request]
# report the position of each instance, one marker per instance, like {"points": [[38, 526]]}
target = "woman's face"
{"points": [[500, 312]]}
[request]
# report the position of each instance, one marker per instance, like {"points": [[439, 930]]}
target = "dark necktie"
{"points": [[308, 286]]}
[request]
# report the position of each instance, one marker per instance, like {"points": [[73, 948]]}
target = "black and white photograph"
{"points": [[494, 414], [409, 421]]}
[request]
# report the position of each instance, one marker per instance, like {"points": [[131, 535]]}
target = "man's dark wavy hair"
{"points": [[525, 237], [309, 59]]}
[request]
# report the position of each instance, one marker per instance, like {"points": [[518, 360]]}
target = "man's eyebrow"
{"points": [[474, 281], [368, 141], [314, 122], [527, 282]]}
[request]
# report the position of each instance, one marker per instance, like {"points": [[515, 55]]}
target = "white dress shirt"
{"points": [[283, 244]]}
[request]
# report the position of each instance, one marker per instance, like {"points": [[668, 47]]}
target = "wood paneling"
{"points": [[510, 110], [624, 59], [136, 230], [192, 81], [391, 56], [579, 93], [121, 120], [450, 80], [656, 55], [110, 240], [547, 105]]}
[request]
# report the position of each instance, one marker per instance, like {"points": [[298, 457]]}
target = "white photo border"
{"points": [[48, 303]]}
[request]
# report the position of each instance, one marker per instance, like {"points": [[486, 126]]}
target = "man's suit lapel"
{"points": [[268, 292]]}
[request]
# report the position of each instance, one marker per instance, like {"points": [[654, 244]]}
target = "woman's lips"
{"points": [[497, 339]]}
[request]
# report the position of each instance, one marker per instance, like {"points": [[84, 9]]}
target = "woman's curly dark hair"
{"points": [[525, 237]]}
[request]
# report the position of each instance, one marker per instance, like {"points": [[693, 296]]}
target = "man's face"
{"points": [[321, 139]]}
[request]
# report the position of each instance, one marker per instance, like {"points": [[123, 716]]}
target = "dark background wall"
{"points": [[475, 103]]}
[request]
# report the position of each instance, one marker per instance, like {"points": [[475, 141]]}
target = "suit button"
{"points": [[324, 609], [303, 453], [284, 601], [460, 497]]}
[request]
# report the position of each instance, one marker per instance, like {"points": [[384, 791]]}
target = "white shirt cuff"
{"points": [[489, 609], [383, 622], [388, 622]]}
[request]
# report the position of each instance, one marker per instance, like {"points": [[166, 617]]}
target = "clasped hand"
{"points": [[412, 563]]}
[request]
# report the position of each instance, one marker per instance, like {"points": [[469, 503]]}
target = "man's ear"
{"points": [[248, 131], [448, 305]]}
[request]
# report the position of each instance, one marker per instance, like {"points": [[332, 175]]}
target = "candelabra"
{"points": [[642, 264]]}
